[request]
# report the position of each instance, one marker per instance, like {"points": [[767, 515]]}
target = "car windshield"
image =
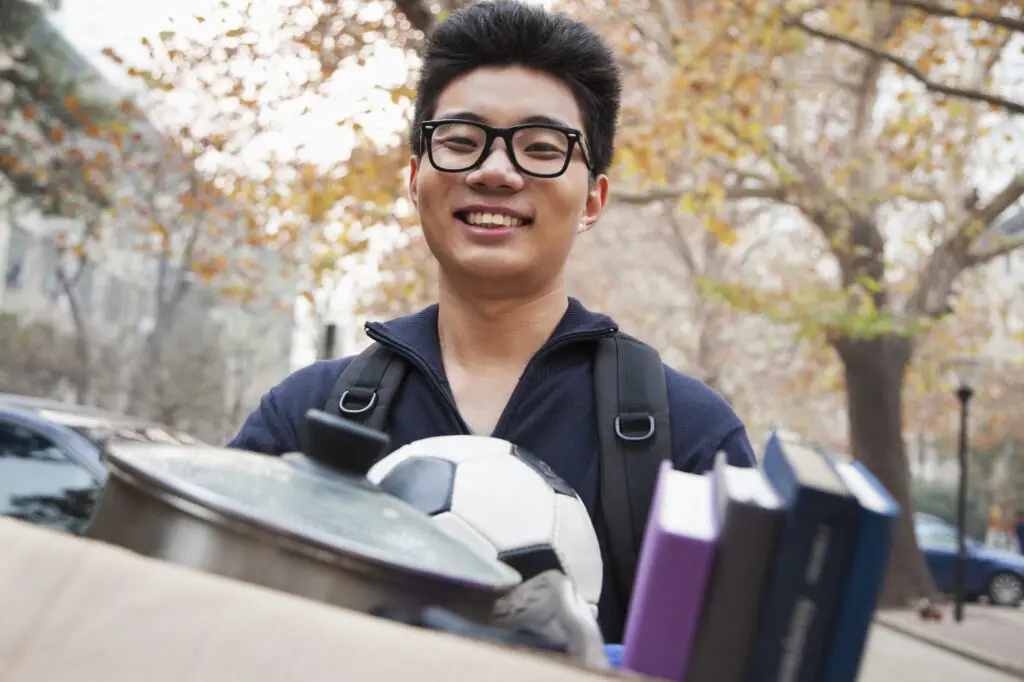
{"points": [[938, 535]]}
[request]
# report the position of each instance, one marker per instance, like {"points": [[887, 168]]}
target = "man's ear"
{"points": [[414, 167], [597, 197]]}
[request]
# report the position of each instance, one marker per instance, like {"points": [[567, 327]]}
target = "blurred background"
{"points": [[814, 208]]}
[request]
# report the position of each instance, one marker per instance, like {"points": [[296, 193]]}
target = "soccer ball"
{"points": [[500, 500]]}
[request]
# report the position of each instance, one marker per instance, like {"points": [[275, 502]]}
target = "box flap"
{"points": [[78, 610]]}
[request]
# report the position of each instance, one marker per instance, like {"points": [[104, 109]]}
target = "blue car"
{"points": [[51, 469], [992, 573]]}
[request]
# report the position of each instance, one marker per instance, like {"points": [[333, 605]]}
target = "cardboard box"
{"points": [[77, 610]]}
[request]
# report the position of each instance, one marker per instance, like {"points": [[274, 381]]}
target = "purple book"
{"points": [[671, 577]]}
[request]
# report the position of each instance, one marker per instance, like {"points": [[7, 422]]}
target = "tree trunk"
{"points": [[82, 374], [874, 370]]}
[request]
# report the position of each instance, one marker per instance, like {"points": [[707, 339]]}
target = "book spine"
{"points": [[725, 640], [826, 593], [817, 540]]}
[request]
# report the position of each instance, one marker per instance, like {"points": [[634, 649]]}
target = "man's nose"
{"points": [[497, 170]]}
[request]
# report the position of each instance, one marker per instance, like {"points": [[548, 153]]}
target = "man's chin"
{"points": [[485, 267]]}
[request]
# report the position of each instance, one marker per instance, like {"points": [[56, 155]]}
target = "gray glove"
{"points": [[550, 604]]}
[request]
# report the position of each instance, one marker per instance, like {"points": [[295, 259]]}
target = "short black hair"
{"points": [[513, 33]]}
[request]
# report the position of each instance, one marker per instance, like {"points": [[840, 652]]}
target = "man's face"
{"points": [[527, 251]]}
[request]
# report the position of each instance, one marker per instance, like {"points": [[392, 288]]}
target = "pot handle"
{"points": [[333, 445]]}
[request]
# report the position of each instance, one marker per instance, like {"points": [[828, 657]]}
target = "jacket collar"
{"points": [[416, 336]]}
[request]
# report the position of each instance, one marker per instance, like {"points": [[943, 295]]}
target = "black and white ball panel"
{"points": [[532, 561], [542, 468], [426, 483]]}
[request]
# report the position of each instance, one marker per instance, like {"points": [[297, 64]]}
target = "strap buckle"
{"points": [[639, 432], [357, 410]]}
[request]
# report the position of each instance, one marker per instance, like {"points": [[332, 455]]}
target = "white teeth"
{"points": [[493, 220]]}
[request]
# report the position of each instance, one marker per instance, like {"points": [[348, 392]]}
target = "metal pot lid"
{"points": [[346, 517]]}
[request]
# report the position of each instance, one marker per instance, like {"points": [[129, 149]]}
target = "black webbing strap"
{"points": [[365, 390], [635, 436]]}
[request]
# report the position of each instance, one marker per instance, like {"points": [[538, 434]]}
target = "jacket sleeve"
{"points": [[266, 430], [273, 427]]}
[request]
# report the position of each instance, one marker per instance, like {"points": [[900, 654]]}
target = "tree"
{"points": [[862, 121], [37, 358], [52, 152], [41, 105]]}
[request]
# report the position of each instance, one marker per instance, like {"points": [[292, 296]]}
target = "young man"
{"points": [[512, 136]]}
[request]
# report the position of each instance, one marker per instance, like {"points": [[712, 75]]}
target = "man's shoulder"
{"points": [[313, 380], [692, 396], [703, 422]]}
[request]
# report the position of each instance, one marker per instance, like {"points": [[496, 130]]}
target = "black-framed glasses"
{"points": [[542, 150]]}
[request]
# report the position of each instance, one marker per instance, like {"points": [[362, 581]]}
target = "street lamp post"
{"points": [[965, 372]]}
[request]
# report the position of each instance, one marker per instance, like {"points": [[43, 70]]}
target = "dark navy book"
{"points": [[815, 545], [878, 515]]}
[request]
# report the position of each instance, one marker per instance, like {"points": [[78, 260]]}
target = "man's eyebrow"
{"points": [[471, 116], [463, 116], [546, 120]]}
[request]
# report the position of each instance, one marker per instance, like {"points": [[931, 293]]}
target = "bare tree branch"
{"points": [[938, 10], [667, 14], [904, 65], [1000, 246], [679, 239], [986, 215], [674, 192], [960, 251], [664, 49], [991, 246]]}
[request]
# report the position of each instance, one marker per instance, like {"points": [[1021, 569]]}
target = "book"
{"points": [[878, 515], [672, 572], [810, 566], [749, 514]]}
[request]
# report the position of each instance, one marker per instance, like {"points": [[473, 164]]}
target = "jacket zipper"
{"points": [[415, 358], [572, 337]]}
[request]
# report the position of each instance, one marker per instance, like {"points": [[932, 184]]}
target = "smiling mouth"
{"points": [[494, 221]]}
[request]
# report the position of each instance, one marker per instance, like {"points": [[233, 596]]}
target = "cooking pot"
{"points": [[306, 523]]}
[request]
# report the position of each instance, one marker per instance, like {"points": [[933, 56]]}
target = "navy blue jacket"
{"points": [[551, 412]]}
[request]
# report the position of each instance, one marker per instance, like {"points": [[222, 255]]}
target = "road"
{"points": [[893, 656], [1016, 615]]}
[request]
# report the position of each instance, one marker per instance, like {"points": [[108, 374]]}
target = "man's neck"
{"points": [[488, 333]]}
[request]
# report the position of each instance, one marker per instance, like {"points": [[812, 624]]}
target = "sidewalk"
{"points": [[894, 657], [991, 636]]}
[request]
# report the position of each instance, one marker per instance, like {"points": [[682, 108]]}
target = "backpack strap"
{"points": [[367, 386], [635, 435]]}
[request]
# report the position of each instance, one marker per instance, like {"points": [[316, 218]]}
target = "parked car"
{"points": [[992, 573], [51, 469]]}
